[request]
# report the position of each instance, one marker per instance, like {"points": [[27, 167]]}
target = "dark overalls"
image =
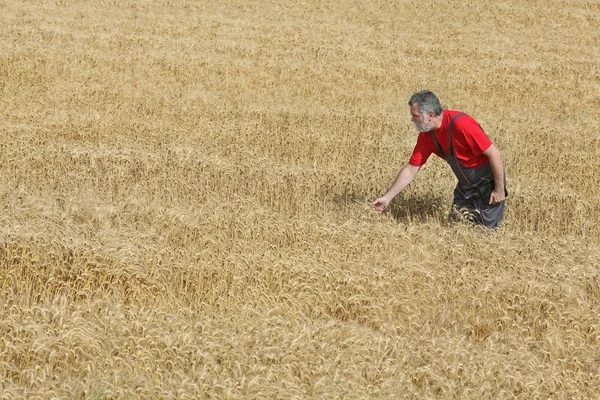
{"points": [[472, 192]]}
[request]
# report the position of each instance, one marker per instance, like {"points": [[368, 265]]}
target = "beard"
{"points": [[425, 126]]}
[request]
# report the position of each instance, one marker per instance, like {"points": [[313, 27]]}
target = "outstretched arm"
{"points": [[404, 178], [493, 154]]}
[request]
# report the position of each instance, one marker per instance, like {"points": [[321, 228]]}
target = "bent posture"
{"points": [[476, 162]]}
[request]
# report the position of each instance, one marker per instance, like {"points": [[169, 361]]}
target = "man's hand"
{"points": [[405, 176], [380, 204], [497, 197]]}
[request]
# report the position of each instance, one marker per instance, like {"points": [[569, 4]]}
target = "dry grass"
{"points": [[185, 191]]}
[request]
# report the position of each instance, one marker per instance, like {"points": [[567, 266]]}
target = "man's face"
{"points": [[422, 121]]}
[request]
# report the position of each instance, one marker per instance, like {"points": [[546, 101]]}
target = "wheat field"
{"points": [[185, 191]]}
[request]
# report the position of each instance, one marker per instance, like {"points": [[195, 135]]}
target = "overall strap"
{"points": [[437, 144], [450, 148]]}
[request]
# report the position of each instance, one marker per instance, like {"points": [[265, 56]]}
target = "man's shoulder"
{"points": [[461, 119], [424, 141], [459, 115]]}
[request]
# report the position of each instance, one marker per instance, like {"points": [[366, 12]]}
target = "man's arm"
{"points": [[493, 154], [404, 178]]}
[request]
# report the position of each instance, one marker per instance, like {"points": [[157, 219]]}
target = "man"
{"points": [[476, 162]]}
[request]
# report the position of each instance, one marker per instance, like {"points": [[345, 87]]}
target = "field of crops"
{"points": [[185, 189]]}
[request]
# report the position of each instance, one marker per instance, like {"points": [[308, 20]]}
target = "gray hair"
{"points": [[427, 102]]}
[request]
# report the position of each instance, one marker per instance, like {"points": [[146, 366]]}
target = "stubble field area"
{"points": [[185, 188]]}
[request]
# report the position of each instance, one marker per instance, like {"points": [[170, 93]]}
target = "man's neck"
{"points": [[436, 122]]}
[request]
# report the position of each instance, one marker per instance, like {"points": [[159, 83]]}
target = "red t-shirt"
{"points": [[468, 139]]}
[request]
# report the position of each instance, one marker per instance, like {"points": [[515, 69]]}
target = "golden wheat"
{"points": [[185, 197]]}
